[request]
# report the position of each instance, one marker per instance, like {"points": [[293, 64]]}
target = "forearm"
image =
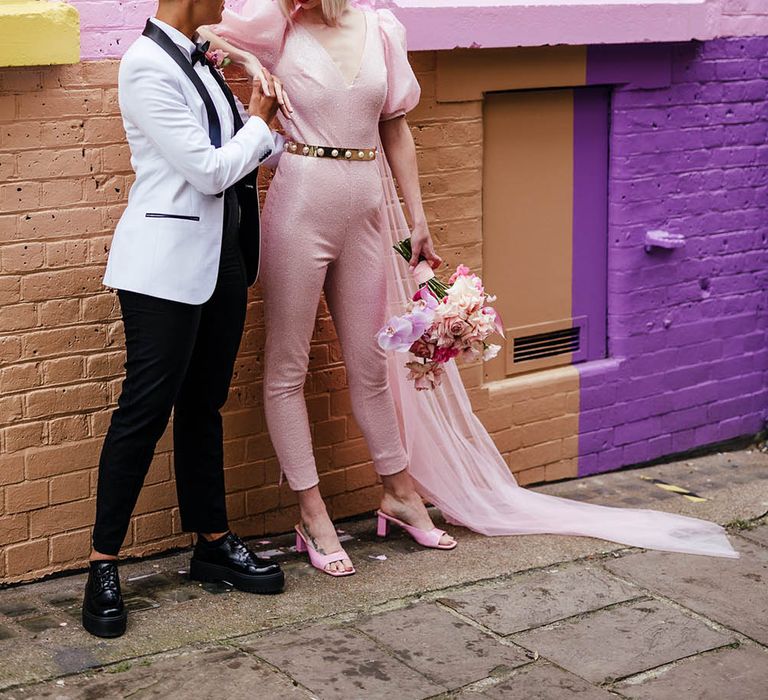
{"points": [[152, 103], [400, 150], [238, 56]]}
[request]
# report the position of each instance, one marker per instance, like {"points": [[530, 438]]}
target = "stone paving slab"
{"points": [[726, 674], [197, 674], [735, 484], [436, 643], [309, 595], [542, 681], [758, 534], [620, 641], [733, 592], [339, 663], [541, 597], [41, 639]]}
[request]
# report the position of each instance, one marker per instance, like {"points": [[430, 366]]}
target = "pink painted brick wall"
{"points": [[744, 17], [109, 27], [687, 328]]}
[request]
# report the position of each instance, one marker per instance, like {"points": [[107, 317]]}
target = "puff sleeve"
{"points": [[258, 28], [403, 89]]}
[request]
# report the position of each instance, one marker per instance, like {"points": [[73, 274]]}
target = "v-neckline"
{"points": [[325, 51]]}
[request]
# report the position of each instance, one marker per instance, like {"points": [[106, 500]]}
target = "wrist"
{"points": [[251, 64]]}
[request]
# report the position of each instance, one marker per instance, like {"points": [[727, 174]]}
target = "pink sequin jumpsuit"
{"points": [[322, 227]]}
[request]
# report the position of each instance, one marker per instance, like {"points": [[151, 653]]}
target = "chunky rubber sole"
{"points": [[212, 573], [108, 627]]}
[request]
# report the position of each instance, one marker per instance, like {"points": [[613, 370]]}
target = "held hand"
{"points": [[263, 102], [270, 86], [422, 246]]}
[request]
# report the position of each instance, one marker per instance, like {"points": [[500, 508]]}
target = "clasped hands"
{"points": [[267, 92]]}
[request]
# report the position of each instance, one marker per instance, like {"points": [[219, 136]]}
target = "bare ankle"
{"points": [[399, 486], [311, 505], [98, 556]]}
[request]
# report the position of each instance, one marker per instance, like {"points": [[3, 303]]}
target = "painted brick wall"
{"points": [[110, 26], [699, 146], [687, 329], [65, 171], [744, 17]]}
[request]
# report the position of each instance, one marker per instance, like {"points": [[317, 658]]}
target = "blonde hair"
{"points": [[332, 9]]}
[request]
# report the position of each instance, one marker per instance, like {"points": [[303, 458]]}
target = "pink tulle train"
{"points": [[458, 468]]}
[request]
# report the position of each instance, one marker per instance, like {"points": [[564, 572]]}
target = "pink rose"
{"points": [[422, 348]]}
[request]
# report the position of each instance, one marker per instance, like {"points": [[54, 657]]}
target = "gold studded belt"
{"points": [[336, 152]]}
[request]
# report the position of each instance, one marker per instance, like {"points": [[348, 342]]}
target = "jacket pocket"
{"points": [[154, 215]]}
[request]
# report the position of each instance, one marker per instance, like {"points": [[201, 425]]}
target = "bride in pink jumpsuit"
{"points": [[322, 231], [328, 224]]}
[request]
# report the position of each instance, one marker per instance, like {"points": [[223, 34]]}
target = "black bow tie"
{"points": [[199, 53]]}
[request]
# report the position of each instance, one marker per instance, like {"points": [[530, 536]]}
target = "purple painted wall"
{"points": [[590, 217], [688, 357]]}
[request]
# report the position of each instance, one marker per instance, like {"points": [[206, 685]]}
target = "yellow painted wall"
{"points": [[38, 33]]}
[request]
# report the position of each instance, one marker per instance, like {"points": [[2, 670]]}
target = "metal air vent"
{"points": [[540, 345], [546, 344]]}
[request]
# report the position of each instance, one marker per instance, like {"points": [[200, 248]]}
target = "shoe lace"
{"points": [[241, 548], [107, 578]]}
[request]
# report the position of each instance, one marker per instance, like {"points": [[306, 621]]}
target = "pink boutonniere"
{"points": [[218, 59]]}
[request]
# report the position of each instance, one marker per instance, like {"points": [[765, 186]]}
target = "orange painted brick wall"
{"points": [[64, 177]]}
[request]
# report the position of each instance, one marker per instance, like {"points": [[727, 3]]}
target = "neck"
{"points": [[313, 15], [178, 21]]}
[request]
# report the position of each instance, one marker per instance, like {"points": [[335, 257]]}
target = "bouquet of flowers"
{"points": [[442, 322]]}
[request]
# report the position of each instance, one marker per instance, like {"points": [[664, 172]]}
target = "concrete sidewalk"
{"points": [[498, 618]]}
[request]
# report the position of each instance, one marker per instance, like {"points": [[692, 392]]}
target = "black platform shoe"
{"points": [[229, 559], [104, 614]]}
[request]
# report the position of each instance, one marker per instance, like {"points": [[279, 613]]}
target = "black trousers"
{"points": [[180, 357]]}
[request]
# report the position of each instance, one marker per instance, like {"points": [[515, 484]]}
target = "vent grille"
{"points": [[542, 345]]}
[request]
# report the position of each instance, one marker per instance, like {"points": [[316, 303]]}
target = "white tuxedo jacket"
{"points": [[168, 241]]}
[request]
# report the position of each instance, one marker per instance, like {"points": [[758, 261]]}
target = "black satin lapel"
{"points": [[153, 32], [230, 97]]}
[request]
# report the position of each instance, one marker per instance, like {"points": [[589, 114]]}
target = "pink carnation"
{"points": [[461, 271], [445, 354]]}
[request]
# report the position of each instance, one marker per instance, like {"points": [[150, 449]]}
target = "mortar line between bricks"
{"points": [[690, 612]]}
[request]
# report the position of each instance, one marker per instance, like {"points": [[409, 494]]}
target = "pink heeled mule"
{"points": [[321, 561], [426, 538]]}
